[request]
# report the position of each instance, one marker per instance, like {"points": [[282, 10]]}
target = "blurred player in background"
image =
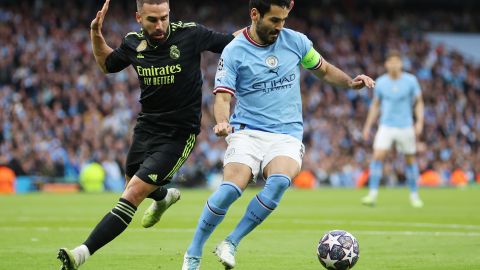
{"points": [[396, 95], [261, 67], [166, 57]]}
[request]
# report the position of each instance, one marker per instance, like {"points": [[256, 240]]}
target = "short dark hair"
{"points": [[263, 6], [393, 53], [141, 2]]}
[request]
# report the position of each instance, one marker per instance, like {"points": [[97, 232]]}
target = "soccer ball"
{"points": [[338, 250]]}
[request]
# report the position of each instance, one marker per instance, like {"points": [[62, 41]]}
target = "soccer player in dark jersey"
{"points": [[166, 57]]}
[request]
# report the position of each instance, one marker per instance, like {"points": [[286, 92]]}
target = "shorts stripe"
{"points": [[186, 152]]}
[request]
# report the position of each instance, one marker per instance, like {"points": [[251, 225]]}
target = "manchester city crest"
{"points": [[174, 52], [271, 61]]}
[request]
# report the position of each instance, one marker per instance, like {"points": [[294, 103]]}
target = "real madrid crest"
{"points": [[142, 46], [272, 61], [174, 52]]}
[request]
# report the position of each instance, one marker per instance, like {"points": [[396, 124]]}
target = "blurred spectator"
{"points": [[92, 177], [58, 112]]}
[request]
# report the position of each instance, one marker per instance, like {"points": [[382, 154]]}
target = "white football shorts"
{"points": [[403, 138], [257, 148]]}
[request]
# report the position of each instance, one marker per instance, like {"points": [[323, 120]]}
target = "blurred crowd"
{"points": [[58, 112]]}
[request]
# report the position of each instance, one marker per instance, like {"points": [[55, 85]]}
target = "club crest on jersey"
{"points": [[142, 46], [174, 52], [271, 61]]}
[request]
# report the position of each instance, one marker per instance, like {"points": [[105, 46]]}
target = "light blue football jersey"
{"points": [[265, 81], [397, 98]]}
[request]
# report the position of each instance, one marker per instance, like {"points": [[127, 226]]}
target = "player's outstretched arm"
{"points": [[100, 48], [333, 75], [373, 113], [221, 111]]}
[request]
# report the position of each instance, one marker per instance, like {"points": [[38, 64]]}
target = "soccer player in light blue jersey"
{"points": [[397, 95], [261, 68]]}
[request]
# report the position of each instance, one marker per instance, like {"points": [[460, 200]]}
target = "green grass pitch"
{"points": [[444, 235]]}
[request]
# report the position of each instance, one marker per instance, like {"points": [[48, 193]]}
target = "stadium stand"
{"points": [[59, 113]]}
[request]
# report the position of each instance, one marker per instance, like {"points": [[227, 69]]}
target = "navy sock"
{"points": [[112, 225], [159, 194]]}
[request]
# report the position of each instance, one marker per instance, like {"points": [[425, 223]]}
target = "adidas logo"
{"points": [[139, 55], [153, 177]]}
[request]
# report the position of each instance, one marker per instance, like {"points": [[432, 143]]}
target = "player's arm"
{"points": [[225, 87], [419, 108], [221, 111], [209, 40], [333, 75], [372, 116], [100, 48]]}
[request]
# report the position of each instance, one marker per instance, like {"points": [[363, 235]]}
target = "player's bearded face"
{"points": [[154, 19], [266, 32], [269, 26]]}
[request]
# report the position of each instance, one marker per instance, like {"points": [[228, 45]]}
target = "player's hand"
{"points": [[362, 81], [97, 23], [418, 128], [222, 129], [366, 134]]}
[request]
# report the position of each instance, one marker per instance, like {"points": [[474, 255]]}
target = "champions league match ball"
{"points": [[338, 250]]}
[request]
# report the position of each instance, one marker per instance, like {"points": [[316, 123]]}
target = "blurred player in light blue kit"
{"points": [[397, 95], [261, 68]]}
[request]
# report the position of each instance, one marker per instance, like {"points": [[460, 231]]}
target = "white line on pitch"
{"points": [[179, 230], [390, 224]]}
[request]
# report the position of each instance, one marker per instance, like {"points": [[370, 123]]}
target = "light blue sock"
{"points": [[412, 173], [213, 213], [376, 170], [260, 206]]}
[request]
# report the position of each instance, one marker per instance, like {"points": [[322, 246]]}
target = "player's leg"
{"points": [[162, 197], [282, 162], [279, 173], [407, 146], [382, 144], [112, 224], [160, 194], [213, 213], [155, 171], [241, 163], [412, 173], [137, 154]]}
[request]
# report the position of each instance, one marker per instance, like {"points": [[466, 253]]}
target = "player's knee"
{"points": [[276, 185], [225, 195], [379, 155], [136, 193]]}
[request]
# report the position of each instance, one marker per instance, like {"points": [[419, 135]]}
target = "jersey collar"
{"points": [[246, 33]]}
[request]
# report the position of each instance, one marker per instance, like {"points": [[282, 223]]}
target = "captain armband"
{"points": [[312, 60]]}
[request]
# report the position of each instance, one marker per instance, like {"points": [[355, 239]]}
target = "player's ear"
{"points": [[138, 17], [254, 15]]}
